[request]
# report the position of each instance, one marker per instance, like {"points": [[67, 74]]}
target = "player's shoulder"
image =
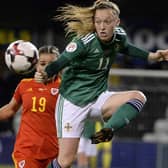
{"points": [[120, 34], [120, 31], [88, 38], [58, 80], [25, 80]]}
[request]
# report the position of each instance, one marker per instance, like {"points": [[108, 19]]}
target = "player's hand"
{"points": [[159, 55], [40, 77], [162, 55]]}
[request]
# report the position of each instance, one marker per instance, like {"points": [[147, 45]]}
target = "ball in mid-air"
{"points": [[21, 56]]}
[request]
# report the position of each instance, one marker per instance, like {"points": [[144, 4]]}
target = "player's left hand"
{"points": [[162, 55], [159, 55]]}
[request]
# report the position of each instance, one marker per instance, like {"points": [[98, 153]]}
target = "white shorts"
{"points": [[70, 118], [86, 147]]}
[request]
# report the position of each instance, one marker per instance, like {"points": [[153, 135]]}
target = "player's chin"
{"points": [[104, 38]]}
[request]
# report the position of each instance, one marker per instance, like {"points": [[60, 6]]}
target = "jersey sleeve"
{"points": [[17, 95], [134, 51], [128, 48], [73, 50]]}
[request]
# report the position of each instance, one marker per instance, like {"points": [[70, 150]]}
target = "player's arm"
{"points": [[51, 70], [9, 109], [134, 51], [125, 47], [73, 50], [130, 49], [55, 67]]}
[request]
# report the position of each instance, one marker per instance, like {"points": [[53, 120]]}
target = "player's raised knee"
{"points": [[140, 96]]}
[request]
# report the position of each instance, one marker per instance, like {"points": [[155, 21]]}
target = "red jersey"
{"points": [[37, 132]]}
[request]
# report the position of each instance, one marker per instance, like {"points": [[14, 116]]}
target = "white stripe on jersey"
{"points": [[88, 38]]}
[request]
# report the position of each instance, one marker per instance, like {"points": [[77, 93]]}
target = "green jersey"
{"points": [[88, 61]]}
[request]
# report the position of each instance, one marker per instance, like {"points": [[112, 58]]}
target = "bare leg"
{"points": [[67, 151], [121, 108]]}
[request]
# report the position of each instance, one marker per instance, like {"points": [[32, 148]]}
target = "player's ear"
{"points": [[118, 22]]}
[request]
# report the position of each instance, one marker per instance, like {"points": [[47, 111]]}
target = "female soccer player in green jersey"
{"points": [[84, 92]]}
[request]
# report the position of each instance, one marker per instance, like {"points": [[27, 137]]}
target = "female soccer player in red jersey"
{"points": [[36, 142]]}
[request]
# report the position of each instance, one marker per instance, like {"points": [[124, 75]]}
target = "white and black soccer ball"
{"points": [[21, 57]]}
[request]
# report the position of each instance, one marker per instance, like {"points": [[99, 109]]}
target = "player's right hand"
{"points": [[40, 77]]}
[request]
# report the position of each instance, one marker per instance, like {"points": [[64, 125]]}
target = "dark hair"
{"points": [[49, 49]]}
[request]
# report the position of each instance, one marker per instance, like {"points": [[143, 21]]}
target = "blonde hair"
{"points": [[79, 20]]}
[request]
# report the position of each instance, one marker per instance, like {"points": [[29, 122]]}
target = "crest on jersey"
{"points": [[21, 164], [54, 91], [68, 127], [71, 47]]}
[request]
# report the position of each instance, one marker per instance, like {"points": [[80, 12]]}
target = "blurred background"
{"points": [[147, 27]]}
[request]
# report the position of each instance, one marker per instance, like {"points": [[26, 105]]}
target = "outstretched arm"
{"points": [[159, 55], [51, 70], [9, 109]]}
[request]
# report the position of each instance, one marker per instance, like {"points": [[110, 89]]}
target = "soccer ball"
{"points": [[21, 57]]}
